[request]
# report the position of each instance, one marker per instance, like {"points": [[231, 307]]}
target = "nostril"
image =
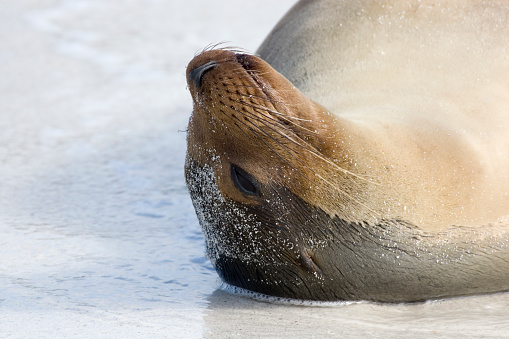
{"points": [[196, 74]]}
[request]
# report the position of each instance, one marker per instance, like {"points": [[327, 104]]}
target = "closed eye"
{"points": [[244, 181]]}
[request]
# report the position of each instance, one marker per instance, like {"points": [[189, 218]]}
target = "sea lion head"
{"points": [[259, 159]]}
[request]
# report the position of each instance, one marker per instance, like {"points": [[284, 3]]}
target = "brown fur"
{"points": [[406, 134]]}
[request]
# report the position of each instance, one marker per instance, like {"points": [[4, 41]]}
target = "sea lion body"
{"points": [[383, 177]]}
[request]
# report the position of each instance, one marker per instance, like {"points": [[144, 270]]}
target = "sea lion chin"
{"points": [[386, 193]]}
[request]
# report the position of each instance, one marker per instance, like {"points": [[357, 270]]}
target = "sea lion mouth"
{"points": [[245, 60], [251, 65]]}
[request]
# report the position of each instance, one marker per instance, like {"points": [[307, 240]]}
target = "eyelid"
{"points": [[244, 181]]}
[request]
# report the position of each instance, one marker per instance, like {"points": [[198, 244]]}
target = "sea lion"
{"points": [[363, 155]]}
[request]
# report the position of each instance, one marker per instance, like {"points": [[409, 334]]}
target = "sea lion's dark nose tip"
{"points": [[196, 75]]}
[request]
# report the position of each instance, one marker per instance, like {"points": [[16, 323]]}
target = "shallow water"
{"points": [[99, 237]]}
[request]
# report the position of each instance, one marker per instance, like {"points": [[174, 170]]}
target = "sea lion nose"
{"points": [[197, 73]]}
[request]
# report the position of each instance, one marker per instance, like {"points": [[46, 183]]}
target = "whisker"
{"points": [[254, 105], [286, 118], [312, 151], [262, 110], [290, 152], [216, 46], [272, 149]]}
